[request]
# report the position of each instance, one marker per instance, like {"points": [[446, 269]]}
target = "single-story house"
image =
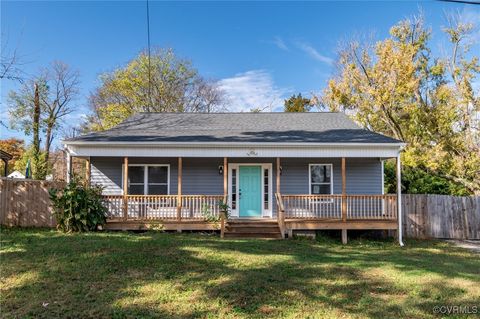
{"points": [[278, 172], [16, 174]]}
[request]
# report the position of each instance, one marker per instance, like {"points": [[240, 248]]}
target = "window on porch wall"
{"points": [[147, 180], [157, 180], [136, 180], [320, 179]]}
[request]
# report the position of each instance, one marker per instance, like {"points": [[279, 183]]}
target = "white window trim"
{"points": [[145, 176], [310, 177], [265, 212]]}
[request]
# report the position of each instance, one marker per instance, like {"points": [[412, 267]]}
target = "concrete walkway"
{"points": [[473, 245]]}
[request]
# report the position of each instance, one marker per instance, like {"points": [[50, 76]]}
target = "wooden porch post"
{"points": [[125, 188], [225, 176], [88, 168], [179, 189], [399, 200], [278, 175], [225, 195], [344, 200], [281, 211]]}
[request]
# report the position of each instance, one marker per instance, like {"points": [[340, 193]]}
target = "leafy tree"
{"points": [[37, 163], [14, 147], [26, 114], [166, 83], [418, 181], [397, 88], [40, 106], [297, 103], [62, 90]]}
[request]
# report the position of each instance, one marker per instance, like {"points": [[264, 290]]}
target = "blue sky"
{"points": [[261, 52]]}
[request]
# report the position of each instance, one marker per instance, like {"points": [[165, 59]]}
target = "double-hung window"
{"points": [[320, 179], [148, 179]]}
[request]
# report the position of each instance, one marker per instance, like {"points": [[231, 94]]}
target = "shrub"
{"points": [[210, 217], [206, 212], [78, 208], [224, 208], [418, 180]]}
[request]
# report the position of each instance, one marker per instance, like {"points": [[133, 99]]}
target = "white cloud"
{"points": [[313, 53], [278, 41], [252, 89]]}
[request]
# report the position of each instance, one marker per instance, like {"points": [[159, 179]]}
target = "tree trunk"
{"points": [[48, 142], [36, 130]]}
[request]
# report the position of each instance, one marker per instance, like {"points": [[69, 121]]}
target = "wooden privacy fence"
{"points": [[26, 203], [441, 216]]}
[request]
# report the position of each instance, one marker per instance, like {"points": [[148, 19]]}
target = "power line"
{"points": [[461, 1], [149, 59]]}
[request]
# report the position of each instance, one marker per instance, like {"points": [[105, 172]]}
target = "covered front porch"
{"points": [[288, 192]]}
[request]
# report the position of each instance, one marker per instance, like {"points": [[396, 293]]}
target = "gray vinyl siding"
{"points": [[107, 172], [201, 175], [364, 175]]}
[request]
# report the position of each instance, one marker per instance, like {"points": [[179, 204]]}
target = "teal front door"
{"points": [[250, 191]]}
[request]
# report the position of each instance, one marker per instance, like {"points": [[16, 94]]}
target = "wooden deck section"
{"points": [[253, 228], [352, 224], [294, 212]]}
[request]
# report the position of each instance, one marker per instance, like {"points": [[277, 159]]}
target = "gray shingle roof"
{"points": [[238, 127]]}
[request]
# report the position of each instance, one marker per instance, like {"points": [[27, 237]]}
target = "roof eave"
{"points": [[229, 144]]}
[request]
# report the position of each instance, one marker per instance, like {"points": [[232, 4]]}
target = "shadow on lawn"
{"points": [[159, 275]]}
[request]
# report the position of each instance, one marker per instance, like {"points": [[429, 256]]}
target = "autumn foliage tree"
{"points": [[396, 87], [297, 103], [14, 147], [163, 83]]}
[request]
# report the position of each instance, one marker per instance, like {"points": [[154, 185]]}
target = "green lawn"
{"points": [[48, 274]]}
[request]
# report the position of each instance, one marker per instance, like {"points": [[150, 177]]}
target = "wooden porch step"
{"points": [[260, 225], [252, 221], [252, 229]]}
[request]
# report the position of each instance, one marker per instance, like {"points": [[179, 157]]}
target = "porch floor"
{"points": [[290, 224]]}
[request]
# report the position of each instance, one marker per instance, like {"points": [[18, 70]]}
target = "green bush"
{"points": [[416, 180], [224, 208], [212, 218], [78, 208]]}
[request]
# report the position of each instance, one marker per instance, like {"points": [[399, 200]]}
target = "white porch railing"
{"points": [[330, 206], [196, 207], [162, 207]]}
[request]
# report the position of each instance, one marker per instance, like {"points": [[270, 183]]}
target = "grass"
{"points": [[48, 274]]}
